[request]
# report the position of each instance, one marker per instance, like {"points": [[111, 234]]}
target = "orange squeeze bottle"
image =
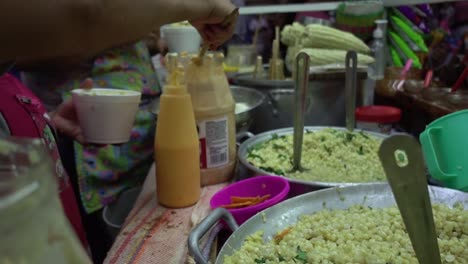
{"points": [[176, 148]]}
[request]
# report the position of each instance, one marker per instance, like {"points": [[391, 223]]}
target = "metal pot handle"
{"points": [[242, 136], [200, 230]]}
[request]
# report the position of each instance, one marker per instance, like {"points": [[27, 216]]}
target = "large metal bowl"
{"points": [[285, 214], [246, 79], [248, 101], [326, 94], [458, 99], [413, 86], [435, 93], [308, 185]]}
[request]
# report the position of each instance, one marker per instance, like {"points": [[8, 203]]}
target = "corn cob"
{"points": [[324, 37], [292, 34], [326, 56]]}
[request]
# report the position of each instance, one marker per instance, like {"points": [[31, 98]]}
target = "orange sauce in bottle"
{"points": [[214, 109], [177, 149]]}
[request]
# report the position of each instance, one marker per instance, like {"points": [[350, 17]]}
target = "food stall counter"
{"points": [[156, 234]]}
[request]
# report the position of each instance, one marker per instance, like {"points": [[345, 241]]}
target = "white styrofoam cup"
{"points": [[181, 38], [106, 116]]}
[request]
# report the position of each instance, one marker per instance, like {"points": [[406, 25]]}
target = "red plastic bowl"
{"points": [[276, 187]]}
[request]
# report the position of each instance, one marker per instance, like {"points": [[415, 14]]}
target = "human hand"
{"points": [[65, 119], [217, 26]]}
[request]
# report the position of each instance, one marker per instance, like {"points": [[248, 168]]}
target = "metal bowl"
{"points": [[285, 214], [248, 101], [297, 185], [413, 86], [434, 93], [459, 98], [246, 79]]}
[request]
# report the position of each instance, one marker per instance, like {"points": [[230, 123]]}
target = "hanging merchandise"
{"points": [[398, 51], [426, 9], [407, 33], [214, 108], [396, 59], [418, 12], [398, 14], [176, 146], [411, 16], [401, 44]]}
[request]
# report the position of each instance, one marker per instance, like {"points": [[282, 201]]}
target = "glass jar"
{"points": [[33, 226]]}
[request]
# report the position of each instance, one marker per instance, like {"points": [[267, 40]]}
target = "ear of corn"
{"points": [[319, 36], [292, 34], [326, 56]]}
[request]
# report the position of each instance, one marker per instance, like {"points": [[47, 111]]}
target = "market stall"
{"points": [[314, 109], [335, 135]]}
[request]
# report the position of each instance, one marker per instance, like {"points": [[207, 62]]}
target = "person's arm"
{"points": [[54, 28]]}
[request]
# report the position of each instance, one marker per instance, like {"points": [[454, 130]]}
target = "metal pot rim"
{"points": [[260, 95], [329, 75], [262, 137]]}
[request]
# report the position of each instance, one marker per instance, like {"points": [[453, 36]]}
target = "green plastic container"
{"points": [[445, 148]]}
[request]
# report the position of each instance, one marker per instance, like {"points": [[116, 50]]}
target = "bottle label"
{"points": [[214, 142]]}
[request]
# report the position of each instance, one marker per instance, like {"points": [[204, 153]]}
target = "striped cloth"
{"points": [[155, 234]]}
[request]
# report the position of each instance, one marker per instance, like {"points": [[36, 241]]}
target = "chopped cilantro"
{"points": [[301, 255], [255, 156], [361, 150], [349, 136], [278, 147], [363, 134], [256, 147], [269, 169]]}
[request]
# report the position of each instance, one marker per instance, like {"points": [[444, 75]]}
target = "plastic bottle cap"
{"points": [[378, 33], [175, 89], [378, 114]]}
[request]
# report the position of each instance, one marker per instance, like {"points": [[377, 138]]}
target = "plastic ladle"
{"points": [[403, 164], [403, 75], [460, 80]]}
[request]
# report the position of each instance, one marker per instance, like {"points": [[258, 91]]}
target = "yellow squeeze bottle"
{"points": [[214, 109], [176, 147]]}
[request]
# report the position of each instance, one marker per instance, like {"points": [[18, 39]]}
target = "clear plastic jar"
{"points": [[33, 226]]}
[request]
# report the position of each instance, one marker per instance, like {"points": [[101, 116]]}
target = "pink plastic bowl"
{"points": [[276, 187]]}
